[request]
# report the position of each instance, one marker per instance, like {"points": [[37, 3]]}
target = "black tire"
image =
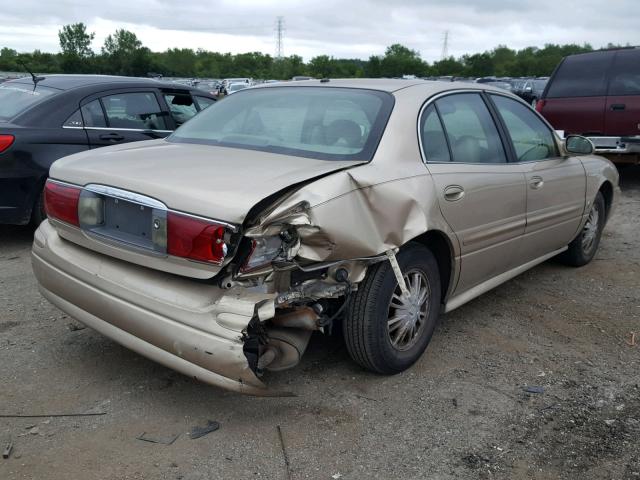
{"points": [[38, 215], [581, 251], [365, 327]]}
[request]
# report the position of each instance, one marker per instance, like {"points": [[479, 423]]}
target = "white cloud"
{"points": [[357, 28]]}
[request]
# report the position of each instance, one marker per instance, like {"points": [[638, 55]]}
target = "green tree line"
{"points": [[124, 54]]}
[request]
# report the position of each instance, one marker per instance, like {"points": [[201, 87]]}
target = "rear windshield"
{"points": [[322, 123], [15, 98], [581, 76]]}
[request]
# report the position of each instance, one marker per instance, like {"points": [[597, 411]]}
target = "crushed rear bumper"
{"points": [[192, 327]]}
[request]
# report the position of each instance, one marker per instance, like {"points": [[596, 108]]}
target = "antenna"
{"points": [[34, 79], [445, 46], [279, 37]]}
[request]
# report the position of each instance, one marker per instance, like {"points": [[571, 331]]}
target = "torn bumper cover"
{"points": [[192, 327]]}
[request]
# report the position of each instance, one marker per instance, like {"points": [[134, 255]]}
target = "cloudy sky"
{"points": [[342, 28]]}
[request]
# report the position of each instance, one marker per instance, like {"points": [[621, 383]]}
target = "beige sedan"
{"points": [[366, 205]]}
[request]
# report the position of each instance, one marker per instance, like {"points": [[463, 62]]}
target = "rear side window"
{"points": [[434, 141], [181, 105], [15, 98], [531, 138], [625, 75], [581, 76], [93, 115], [472, 135], [140, 111]]}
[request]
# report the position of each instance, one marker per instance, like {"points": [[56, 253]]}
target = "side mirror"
{"points": [[578, 144]]}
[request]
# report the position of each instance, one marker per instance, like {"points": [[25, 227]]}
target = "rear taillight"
{"points": [[61, 202], [5, 142], [195, 238], [540, 105]]}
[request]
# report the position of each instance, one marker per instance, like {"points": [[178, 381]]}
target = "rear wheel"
{"points": [[584, 247], [386, 331]]}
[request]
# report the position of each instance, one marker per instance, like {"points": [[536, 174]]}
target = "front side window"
{"points": [[315, 122], [140, 111], [181, 105], [16, 98], [532, 139], [434, 141], [472, 135], [625, 75]]}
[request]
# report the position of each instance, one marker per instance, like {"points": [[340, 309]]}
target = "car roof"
{"points": [[390, 85], [69, 82]]}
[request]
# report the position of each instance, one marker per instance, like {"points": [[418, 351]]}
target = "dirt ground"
{"points": [[462, 412]]}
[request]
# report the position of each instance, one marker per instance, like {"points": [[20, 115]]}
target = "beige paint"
{"points": [[497, 230]]}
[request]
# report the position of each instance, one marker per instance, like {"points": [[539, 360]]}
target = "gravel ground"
{"points": [[462, 412]]}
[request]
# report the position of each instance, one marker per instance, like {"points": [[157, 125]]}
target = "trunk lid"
{"points": [[214, 182]]}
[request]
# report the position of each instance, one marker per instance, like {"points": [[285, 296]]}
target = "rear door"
{"points": [[622, 117], [576, 97], [125, 116], [556, 185], [481, 196]]}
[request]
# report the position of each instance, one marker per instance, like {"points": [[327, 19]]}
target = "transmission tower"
{"points": [[445, 46], [279, 37]]}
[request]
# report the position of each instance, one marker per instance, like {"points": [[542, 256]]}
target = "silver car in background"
{"points": [[373, 205]]}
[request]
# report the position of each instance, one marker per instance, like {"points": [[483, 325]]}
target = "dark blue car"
{"points": [[44, 119]]}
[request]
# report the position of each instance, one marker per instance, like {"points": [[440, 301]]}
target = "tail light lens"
{"points": [[540, 105], [195, 238], [263, 251], [61, 202], [5, 142]]}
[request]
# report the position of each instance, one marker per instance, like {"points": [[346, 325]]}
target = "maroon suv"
{"points": [[597, 95]]}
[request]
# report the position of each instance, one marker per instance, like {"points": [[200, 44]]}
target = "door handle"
{"points": [[453, 193], [618, 106], [112, 137], [536, 183]]}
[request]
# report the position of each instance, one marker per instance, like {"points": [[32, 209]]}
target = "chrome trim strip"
{"points": [[233, 228], [126, 195], [118, 128]]}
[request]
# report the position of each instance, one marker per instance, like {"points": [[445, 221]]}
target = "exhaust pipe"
{"points": [[305, 318], [285, 348]]}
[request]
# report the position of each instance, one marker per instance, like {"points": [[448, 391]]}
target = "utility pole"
{"points": [[445, 46], [279, 37]]}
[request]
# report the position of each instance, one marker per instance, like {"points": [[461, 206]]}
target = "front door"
{"points": [[481, 196], [556, 186]]}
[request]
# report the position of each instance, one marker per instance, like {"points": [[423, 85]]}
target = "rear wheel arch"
{"points": [[440, 245]]}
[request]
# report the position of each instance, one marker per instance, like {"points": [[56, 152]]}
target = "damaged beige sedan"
{"points": [[369, 205]]}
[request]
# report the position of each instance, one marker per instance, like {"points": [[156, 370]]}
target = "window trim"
{"points": [[513, 156], [481, 93]]}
